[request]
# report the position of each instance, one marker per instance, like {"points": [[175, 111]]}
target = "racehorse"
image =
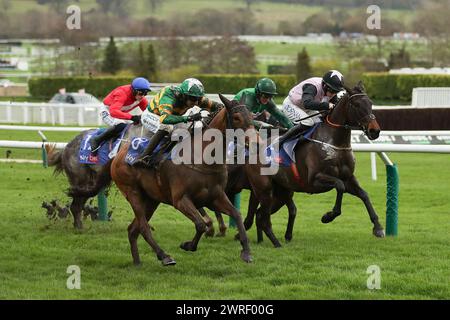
{"points": [[85, 180], [323, 163], [237, 181], [94, 176], [187, 187]]}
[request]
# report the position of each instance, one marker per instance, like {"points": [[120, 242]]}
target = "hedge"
{"points": [[101, 86], [379, 86], [233, 83], [385, 86], [98, 86]]}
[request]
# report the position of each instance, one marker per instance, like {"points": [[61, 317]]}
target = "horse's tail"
{"points": [[54, 158]]}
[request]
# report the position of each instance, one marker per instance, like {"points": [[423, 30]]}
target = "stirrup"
{"points": [[143, 160]]}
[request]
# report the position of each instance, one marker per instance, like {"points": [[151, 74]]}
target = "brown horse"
{"points": [[186, 187], [324, 163]]}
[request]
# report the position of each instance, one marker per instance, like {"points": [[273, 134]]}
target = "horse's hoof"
{"points": [[328, 217], [288, 238], [223, 233], [168, 261], [379, 233], [187, 246], [78, 226], [209, 233], [137, 263], [277, 244], [246, 257]]}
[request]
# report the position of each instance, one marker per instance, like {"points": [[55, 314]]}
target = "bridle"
{"points": [[233, 110], [359, 122], [206, 122]]}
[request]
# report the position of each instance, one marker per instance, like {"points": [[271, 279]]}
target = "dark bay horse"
{"points": [[85, 180], [187, 187], [238, 181], [322, 164]]}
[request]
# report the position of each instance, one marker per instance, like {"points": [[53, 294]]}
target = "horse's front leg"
{"points": [[292, 210], [187, 207], [252, 207], [251, 212], [222, 225], [352, 186], [143, 210], [223, 204], [209, 224], [323, 180], [262, 189]]}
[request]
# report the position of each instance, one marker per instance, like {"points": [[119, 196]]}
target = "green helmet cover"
{"points": [[266, 85], [192, 87]]}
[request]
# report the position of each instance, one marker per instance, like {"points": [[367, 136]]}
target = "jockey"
{"points": [[169, 105], [308, 97], [116, 107], [259, 98]]}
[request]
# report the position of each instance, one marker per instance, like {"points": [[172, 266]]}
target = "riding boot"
{"points": [[292, 132], [154, 141], [107, 134]]}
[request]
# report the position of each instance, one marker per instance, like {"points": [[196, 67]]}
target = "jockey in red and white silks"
{"points": [[118, 103], [116, 108]]}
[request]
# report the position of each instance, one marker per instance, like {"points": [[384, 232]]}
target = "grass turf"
{"points": [[321, 262]]}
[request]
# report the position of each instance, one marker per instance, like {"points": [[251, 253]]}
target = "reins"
{"points": [[371, 116]]}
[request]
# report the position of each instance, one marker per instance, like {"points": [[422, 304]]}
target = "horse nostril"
{"points": [[374, 133]]}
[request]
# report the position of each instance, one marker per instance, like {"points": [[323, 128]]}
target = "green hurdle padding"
{"points": [[102, 206], [44, 157], [392, 200], [44, 152], [237, 205]]}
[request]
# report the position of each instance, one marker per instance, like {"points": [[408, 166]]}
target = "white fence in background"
{"points": [[82, 115], [387, 145], [431, 97], [51, 113]]}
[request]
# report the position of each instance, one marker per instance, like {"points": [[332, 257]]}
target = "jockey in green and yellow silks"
{"points": [[169, 105]]}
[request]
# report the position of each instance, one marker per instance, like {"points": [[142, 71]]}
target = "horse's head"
{"points": [[238, 116], [359, 111]]}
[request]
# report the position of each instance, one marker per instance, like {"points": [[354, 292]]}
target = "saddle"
{"points": [[161, 152], [107, 151], [286, 154]]}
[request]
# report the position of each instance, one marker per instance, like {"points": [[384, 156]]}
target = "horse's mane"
{"points": [[211, 116], [359, 88]]}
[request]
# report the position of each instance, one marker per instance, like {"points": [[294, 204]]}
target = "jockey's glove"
{"points": [[194, 117], [136, 119]]}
